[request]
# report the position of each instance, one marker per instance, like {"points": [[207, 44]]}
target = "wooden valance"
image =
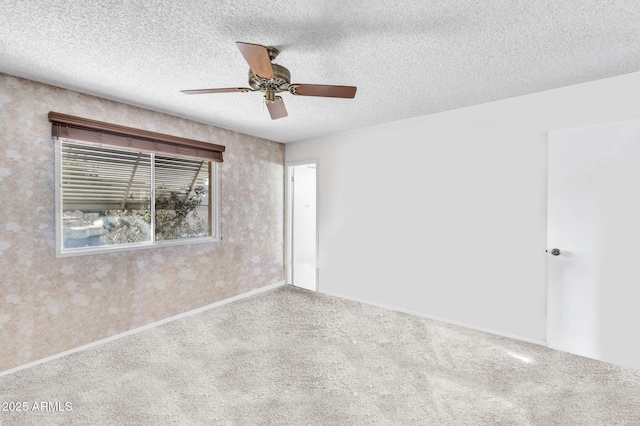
{"points": [[100, 133]]}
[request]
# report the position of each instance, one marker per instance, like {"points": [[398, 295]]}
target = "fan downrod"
{"points": [[273, 52]]}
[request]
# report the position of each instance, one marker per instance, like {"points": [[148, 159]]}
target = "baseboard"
{"points": [[406, 311], [143, 328]]}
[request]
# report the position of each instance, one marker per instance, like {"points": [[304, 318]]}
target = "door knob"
{"points": [[555, 252]]}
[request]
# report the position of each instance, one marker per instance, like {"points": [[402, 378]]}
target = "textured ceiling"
{"points": [[407, 58]]}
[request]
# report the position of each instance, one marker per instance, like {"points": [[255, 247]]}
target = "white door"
{"points": [[303, 225], [593, 305]]}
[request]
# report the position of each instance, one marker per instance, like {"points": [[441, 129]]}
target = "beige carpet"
{"points": [[292, 357]]}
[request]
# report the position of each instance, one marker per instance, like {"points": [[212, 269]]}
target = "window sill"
{"points": [[87, 251]]}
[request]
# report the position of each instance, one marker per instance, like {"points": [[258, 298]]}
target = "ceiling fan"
{"points": [[270, 79]]}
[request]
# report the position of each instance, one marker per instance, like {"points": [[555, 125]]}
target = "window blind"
{"points": [[96, 178], [99, 178], [68, 127], [179, 176]]}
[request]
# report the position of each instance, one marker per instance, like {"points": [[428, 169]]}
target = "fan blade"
{"points": [[258, 59], [323, 90], [277, 109], [227, 90]]}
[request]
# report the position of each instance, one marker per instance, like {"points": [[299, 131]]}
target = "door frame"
{"points": [[288, 233]]}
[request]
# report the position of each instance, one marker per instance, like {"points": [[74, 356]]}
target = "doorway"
{"points": [[302, 224]]}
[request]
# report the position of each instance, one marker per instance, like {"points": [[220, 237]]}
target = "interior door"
{"points": [[593, 305], [304, 226]]}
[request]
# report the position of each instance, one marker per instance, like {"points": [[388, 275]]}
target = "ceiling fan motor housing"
{"points": [[280, 82]]}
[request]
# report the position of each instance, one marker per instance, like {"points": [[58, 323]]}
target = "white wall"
{"points": [[445, 215]]}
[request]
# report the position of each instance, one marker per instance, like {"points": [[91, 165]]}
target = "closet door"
{"points": [[593, 294]]}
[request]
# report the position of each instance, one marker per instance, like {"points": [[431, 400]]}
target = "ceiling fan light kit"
{"points": [[270, 78]]}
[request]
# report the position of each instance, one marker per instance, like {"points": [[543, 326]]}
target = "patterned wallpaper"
{"points": [[50, 305]]}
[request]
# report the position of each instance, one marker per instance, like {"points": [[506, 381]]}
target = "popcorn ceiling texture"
{"points": [[50, 305], [407, 58]]}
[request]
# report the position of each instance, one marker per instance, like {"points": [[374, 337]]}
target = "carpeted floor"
{"points": [[293, 357]]}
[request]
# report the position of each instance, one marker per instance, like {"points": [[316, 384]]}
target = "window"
{"points": [[119, 190]]}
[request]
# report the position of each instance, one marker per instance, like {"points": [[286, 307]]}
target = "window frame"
{"points": [[214, 211]]}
